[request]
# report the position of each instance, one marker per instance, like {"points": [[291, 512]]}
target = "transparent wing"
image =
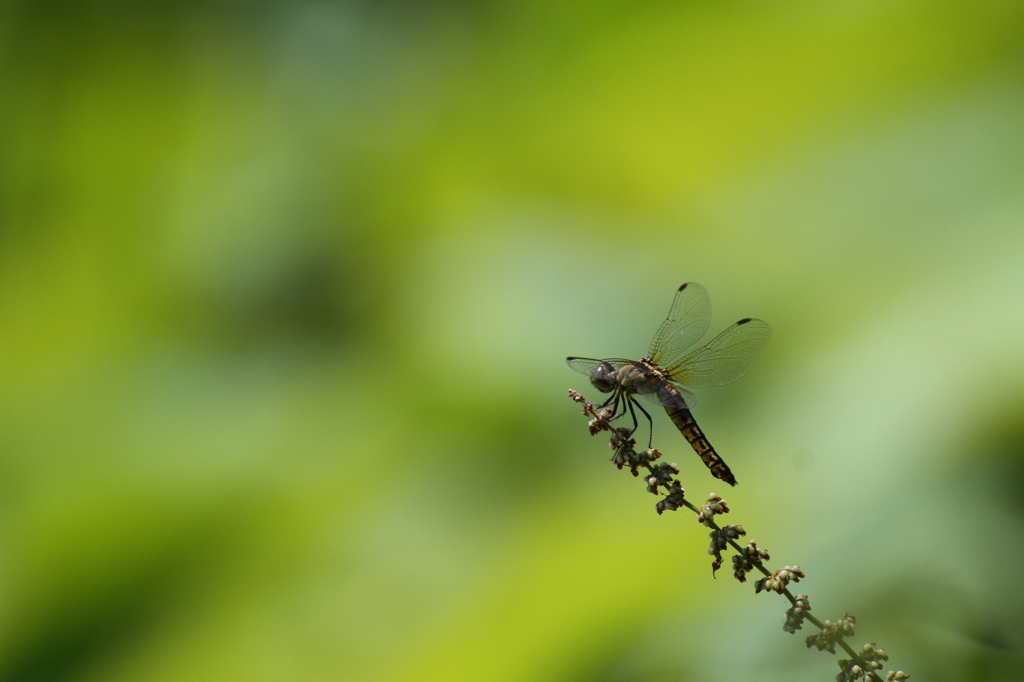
{"points": [[587, 365], [726, 358], [687, 321], [666, 394]]}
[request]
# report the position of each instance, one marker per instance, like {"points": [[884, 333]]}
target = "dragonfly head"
{"points": [[604, 378]]}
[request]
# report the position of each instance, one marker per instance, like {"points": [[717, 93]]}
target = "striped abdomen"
{"points": [[682, 418]]}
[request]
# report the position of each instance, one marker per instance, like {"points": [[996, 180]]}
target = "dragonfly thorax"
{"points": [[628, 377], [631, 376]]}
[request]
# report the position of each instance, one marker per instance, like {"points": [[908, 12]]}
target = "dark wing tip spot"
{"points": [[745, 320], [683, 287]]}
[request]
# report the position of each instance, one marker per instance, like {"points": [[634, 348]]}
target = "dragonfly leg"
{"points": [[614, 400], [615, 408], [632, 413], [650, 432]]}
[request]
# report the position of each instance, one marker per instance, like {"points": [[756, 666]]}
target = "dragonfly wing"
{"points": [[587, 365], [687, 321], [726, 358], [666, 394]]}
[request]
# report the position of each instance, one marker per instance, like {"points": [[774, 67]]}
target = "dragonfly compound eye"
{"points": [[603, 378]]}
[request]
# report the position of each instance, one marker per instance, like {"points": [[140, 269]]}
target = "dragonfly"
{"points": [[666, 374]]}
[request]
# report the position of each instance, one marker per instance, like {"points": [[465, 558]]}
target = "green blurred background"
{"points": [[286, 291]]}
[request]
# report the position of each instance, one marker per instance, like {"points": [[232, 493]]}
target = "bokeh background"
{"points": [[286, 291]]}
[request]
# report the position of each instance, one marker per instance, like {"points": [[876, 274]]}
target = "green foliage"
{"points": [[286, 290]]}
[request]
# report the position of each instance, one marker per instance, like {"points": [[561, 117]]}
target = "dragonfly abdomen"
{"points": [[684, 421]]}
